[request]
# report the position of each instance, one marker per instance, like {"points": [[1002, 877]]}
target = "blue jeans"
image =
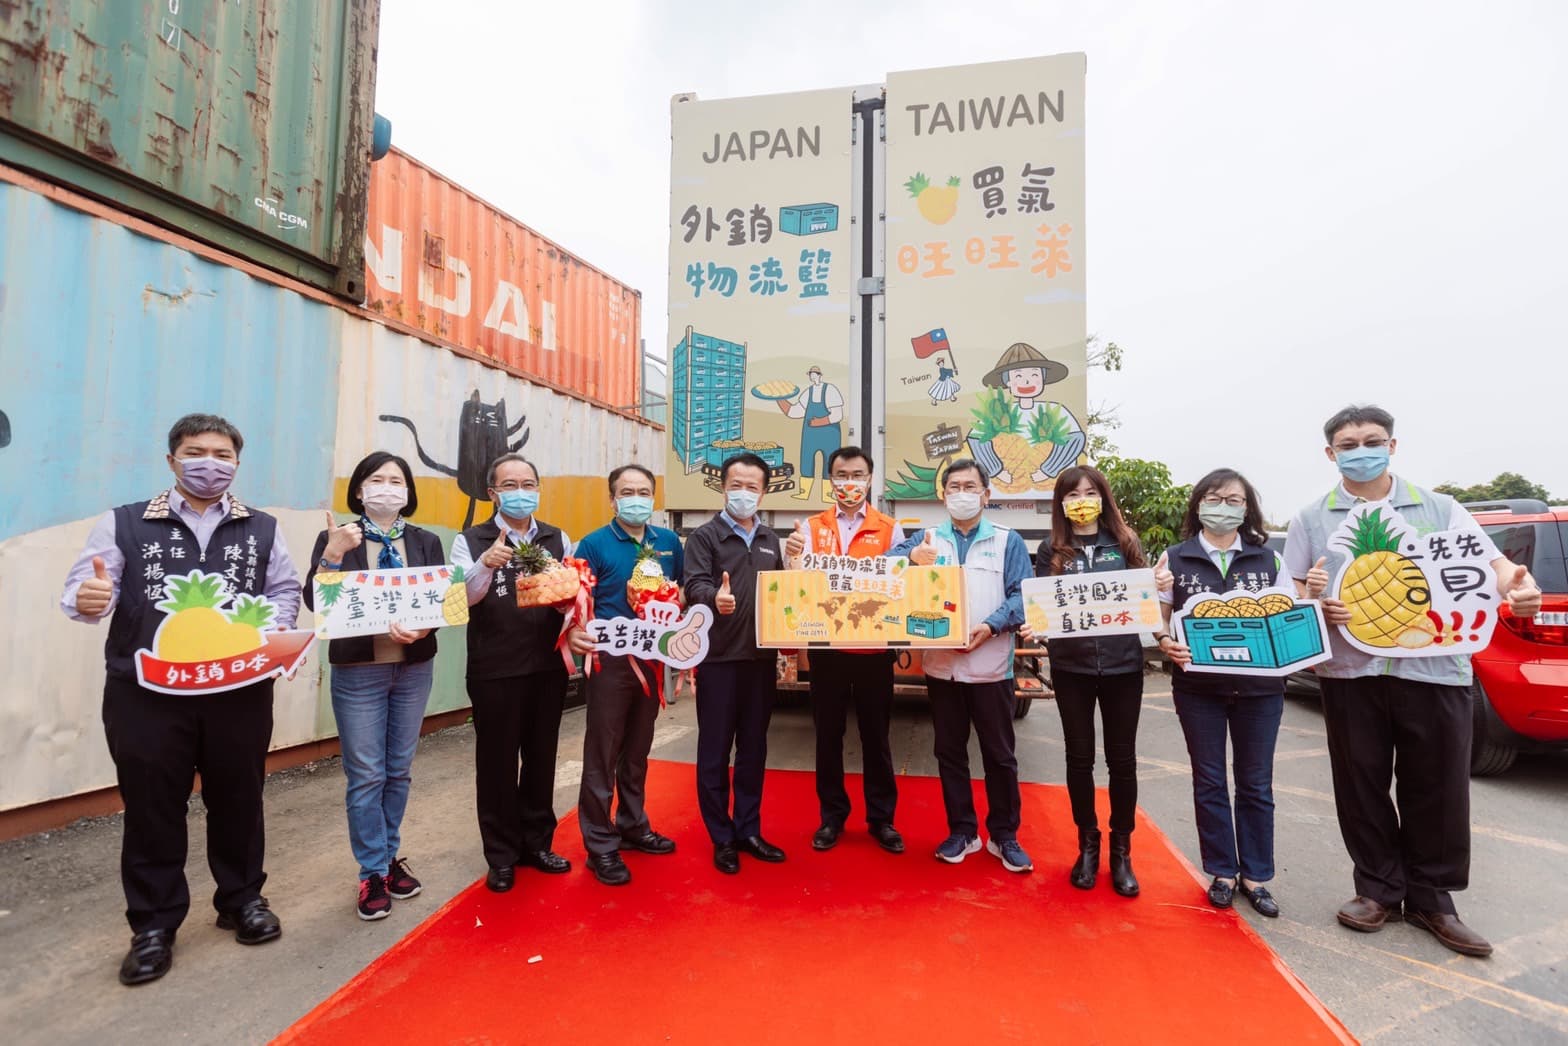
{"points": [[379, 709], [1245, 844]]}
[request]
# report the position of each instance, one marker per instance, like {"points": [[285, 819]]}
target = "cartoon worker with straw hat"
{"points": [[1046, 439]]}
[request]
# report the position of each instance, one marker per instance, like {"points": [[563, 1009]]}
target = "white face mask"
{"points": [[383, 498], [963, 505], [741, 504]]}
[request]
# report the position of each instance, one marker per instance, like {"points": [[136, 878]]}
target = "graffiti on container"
{"points": [[5, 430], [482, 436], [285, 219]]}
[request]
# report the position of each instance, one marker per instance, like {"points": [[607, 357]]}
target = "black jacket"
{"points": [[712, 550], [424, 550], [1111, 655]]}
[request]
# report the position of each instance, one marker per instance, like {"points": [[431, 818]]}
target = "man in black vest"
{"points": [[159, 741], [516, 679]]}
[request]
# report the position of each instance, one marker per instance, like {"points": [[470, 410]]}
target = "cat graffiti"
{"points": [[482, 436]]}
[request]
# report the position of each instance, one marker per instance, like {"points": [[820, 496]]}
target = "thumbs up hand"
{"points": [[94, 593], [924, 553], [1164, 580], [1317, 579], [1521, 591], [795, 544], [724, 602], [496, 556], [341, 540]]}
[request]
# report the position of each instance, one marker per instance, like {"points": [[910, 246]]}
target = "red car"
{"points": [[1521, 678]]}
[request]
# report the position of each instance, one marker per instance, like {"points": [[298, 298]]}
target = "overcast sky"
{"points": [[1291, 206]]}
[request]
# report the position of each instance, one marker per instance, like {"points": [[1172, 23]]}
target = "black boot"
{"points": [[1088, 864], [1122, 879]]}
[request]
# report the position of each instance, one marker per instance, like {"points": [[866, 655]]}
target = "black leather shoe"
{"points": [[1262, 901], [761, 849], [151, 955], [547, 861], [1087, 868], [726, 859], [500, 880], [650, 842], [1221, 893], [826, 837], [253, 923], [1122, 879], [609, 869], [888, 838], [1454, 935]]}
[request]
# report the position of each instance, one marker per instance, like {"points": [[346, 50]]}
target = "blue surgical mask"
{"points": [[1362, 465], [635, 510], [517, 504], [741, 504]]}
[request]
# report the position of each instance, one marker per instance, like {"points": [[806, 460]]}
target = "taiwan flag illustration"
{"points": [[930, 343]]}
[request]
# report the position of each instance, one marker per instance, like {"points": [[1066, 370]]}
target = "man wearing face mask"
{"points": [[516, 679], [621, 695], [736, 681], [844, 678], [973, 687], [159, 742], [1411, 851]]}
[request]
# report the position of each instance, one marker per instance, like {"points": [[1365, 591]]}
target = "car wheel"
{"points": [[1021, 706], [1488, 758]]}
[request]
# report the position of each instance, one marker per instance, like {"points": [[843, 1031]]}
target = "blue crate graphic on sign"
{"points": [[1273, 642], [805, 219]]}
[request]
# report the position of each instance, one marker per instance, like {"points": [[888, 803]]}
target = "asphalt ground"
{"points": [[62, 931]]}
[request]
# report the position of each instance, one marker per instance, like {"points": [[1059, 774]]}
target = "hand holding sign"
{"points": [[1317, 578], [1164, 580], [1522, 593], [341, 540], [925, 553], [724, 602], [93, 594]]}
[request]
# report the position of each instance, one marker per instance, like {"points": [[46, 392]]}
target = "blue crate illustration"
{"points": [[806, 219], [1276, 641], [717, 456], [928, 626], [706, 373]]}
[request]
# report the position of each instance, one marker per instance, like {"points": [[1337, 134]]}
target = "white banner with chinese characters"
{"points": [[985, 274], [666, 634], [369, 602], [1102, 603], [760, 290]]}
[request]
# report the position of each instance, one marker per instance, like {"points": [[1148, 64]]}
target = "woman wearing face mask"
{"points": [[1088, 535], [380, 684], [1225, 550]]}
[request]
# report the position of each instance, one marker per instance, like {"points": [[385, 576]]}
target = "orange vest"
{"points": [[874, 537]]}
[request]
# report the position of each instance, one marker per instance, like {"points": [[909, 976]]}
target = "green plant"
{"points": [[1152, 505]]}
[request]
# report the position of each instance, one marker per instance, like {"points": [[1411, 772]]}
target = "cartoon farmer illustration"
{"points": [[820, 406], [1028, 442]]}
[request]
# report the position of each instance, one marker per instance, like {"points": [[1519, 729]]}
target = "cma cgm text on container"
{"points": [[441, 259]]}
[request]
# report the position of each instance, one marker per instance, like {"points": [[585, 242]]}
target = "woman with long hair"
{"points": [[1089, 535], [1225, 548], [380, 684]]}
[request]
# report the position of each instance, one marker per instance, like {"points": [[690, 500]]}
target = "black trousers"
{"points": [[159, 742], [1120, 697], [517, 723], [1415, 846], [734, 706], [838, 681], [619, 733], [989, 707]]}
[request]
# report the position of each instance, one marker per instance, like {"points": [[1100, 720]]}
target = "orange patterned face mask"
{"points": [[849, 493]]}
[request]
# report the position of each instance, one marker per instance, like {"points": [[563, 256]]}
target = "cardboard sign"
{"points": [[1268, 632], [1410, 594], [1099, 603], [845, 604], [368, 602], [211, 640], [664, 635]]}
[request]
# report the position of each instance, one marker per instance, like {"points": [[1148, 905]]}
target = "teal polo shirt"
{"points": [[612, 553]]}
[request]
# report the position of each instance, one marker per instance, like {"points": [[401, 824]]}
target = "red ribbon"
{"points": [[578, 615], [665, 593]]}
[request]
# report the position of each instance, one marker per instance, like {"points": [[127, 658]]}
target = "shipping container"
{"points": [[441, 259], [246, 125], [312, 383]]}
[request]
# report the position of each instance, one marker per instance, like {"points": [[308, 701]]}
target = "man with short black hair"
{"points": [[1411, 852], [735, 684], [159, 742]]}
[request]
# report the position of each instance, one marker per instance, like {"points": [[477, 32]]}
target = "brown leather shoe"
{"points": [[1455, 935], [1365, 915]]}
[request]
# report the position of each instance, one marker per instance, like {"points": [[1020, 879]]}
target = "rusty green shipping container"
{"points": [[247, 125]]}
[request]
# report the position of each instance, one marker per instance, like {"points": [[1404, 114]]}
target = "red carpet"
{"points": [[853, 945]]}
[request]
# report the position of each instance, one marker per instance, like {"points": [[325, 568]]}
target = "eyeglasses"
{"points": [[851, 477], [1371, 444], [1235, 501], [512, 484]]}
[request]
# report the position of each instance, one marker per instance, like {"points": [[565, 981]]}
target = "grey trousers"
{"points": [[619, 732]]}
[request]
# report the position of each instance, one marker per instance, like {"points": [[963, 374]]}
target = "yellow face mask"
{"points": [[1082, 510]]}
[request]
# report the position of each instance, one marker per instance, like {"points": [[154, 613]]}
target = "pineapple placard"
{"points": [[211, 640], [1412, 594], [1244, 632], [859, 604], [368, 602], [1103, 603]]}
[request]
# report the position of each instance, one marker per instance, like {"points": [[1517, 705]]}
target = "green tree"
{"points": [[1151, 503], [1505, 486], [1103, 418]]}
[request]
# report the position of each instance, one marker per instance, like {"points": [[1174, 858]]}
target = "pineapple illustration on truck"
{"points": [[1022, 440], [210, 640]]}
